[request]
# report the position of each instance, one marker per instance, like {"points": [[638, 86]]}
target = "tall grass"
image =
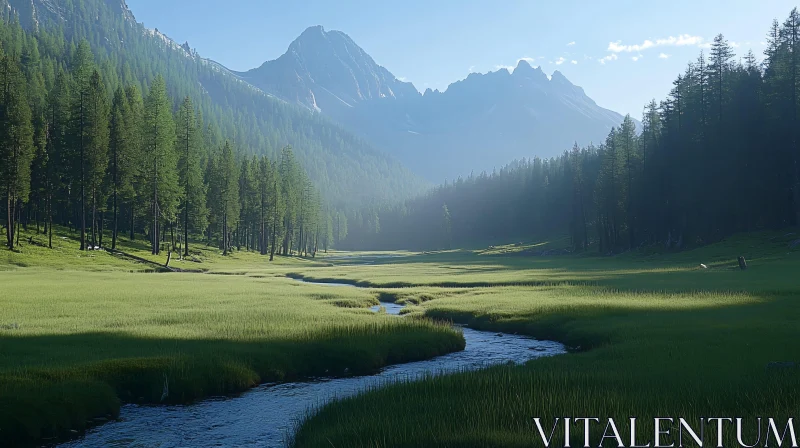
{"points": [[651, 336], [80, 334]]}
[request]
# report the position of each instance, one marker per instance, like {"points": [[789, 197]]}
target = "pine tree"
{"points": [[190, 154], [248, 201], [225, 187], [159, 159], [16, 142], [278, 210], [95, 143], [264, 182], [790, 34], [58, 146], [120, 150], [718, 68], [447, 227], [290, 192], [82, 68], [628, 144], [132, 167]]}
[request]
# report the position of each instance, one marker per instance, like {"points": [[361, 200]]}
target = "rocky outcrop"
{"points": [[32, 13], [326, 71]]}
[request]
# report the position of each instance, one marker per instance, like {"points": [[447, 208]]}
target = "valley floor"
{"points": [[651, 335], [81, 333]]}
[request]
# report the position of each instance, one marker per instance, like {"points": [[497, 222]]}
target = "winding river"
{"points": [[266, 415]]}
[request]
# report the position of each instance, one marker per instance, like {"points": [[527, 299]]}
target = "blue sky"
{"points": [[623, 53]]}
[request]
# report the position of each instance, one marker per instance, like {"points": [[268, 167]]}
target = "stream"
{"points": [[266, 415]]}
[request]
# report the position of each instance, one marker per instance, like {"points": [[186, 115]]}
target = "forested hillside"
{"points": [[719, 155], [344, 167], [81, 148]]}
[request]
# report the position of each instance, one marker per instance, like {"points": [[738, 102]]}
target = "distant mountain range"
{"points": [[478, 123]]}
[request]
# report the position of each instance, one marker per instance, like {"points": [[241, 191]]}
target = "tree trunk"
{"points": [[83, 186], [114, 228], [224, 233], [155, 208], [19, 218], [132, 235], [102, 222], [274, 239], [262, 236], [83, 219], [186, 230], [50, 221], [10, 221], [94, 220]]}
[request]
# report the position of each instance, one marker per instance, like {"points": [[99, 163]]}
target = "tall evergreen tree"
{"points": [[82, 69], [159, 159], [225, 191], [132, 172], [16, 142], [95, 143], [190, 154], [119, 148]]}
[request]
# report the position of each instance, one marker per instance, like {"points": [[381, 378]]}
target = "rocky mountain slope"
{"points": [[327, 71]]}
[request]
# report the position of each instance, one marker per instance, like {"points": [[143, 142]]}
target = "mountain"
{"points": [[32, 13], [345, 167], [327, 71], [483, 121]]}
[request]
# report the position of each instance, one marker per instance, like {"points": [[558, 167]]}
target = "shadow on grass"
{"points": [[70, 381]]}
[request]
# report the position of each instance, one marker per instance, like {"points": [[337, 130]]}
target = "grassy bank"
{"points": [[655, 335], [81, 333]]}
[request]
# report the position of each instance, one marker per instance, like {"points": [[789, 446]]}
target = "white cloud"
{"points": [[611, 57], [735, 44], [560, 60], [471, 68], [402, 78], [671, 41], [571, 43], [663, 56], [574, 62], [636, 58], [510, 68]]}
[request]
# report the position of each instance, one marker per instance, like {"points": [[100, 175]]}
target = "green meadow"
{"points": [[650, 334], [81, 333]]}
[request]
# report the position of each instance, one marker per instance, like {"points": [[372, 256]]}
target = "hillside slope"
{"points": [[345, 167]]}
